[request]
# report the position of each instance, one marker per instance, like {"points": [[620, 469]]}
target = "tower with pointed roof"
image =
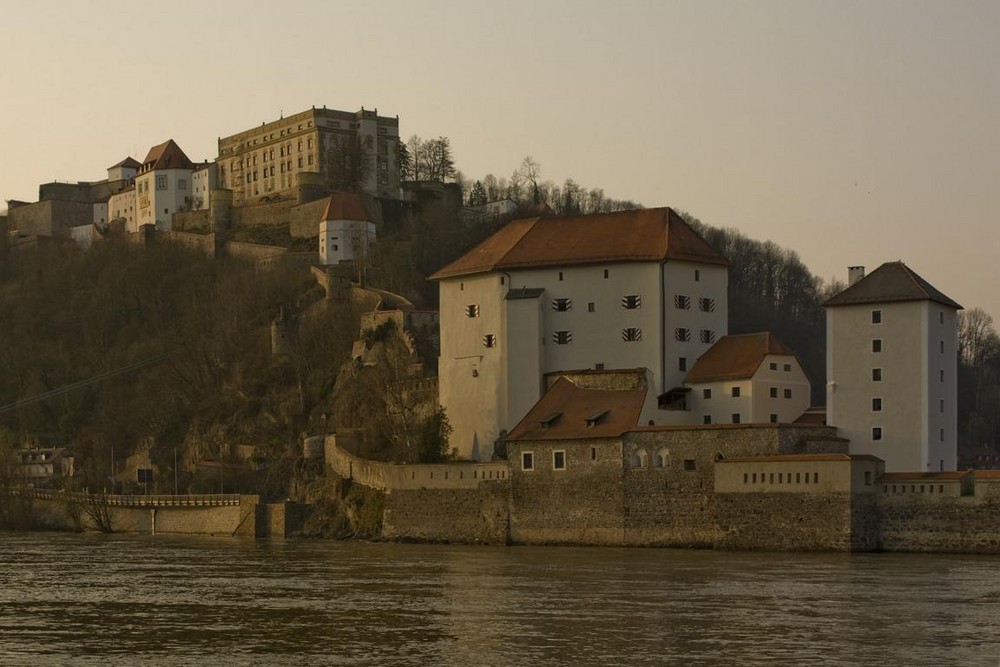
{"points": [[892, 363], [631, 289]]}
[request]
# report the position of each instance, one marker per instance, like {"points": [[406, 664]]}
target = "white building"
{"points": [[747, 378], [203, 181], [162, 186], [632, 289], [347, 230], [892, 369], [122, 208]]}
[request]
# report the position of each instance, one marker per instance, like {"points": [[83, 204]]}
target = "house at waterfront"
{"points": [[892, 366], [631, 289]]}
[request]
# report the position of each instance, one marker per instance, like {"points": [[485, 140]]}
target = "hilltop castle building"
{"points": [[308, 148], [892, 365]]}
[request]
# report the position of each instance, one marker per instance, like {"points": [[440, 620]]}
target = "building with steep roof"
{"points": [[163, 186], [892, 364], [746, 378], [348, 228], [631, 289]]}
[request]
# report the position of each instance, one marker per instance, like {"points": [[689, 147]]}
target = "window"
{"points": [[590, 306], [876, 405], [942, 347], [503, 280], [942, 374], [876, 317], [787, 368], [472, 310], [942, 405], [593, 453], [682, 302], [697, 275], [707, 419], [877, 345], [682, 363], [735, 392], [527, 461], [161, 182], [690, 465], [774, 418], [639, 458], [773, 366], [632, 334], [489, 340], [941, 436], [562, 305], [706, 305], [788, 393], [559, 460], [605, 274], [631, 301], [562, 337], [182, 184], [707, 336], [706, 393], [774, 392], [683, 335], [560, 275], [736, 418], [876, 433], [876, 375]]}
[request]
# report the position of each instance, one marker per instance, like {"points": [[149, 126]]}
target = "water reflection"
{"points": [[96, 599]]}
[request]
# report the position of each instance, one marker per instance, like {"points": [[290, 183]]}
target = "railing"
{"points": [[121, 500]]}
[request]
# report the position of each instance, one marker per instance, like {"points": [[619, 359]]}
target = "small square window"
{"points": [[631, 301], [876, 317], [788, 393], [682, 302], [877, 345], [632, 334], [774, 418], [735, 392], [706, 393], [736, 418], [787, 368], [489, 340], [707, 419], [562, 337], [876, 433], [774, 392], [876, 405], [559, 460], [773, 366], [689, 465], [472, 310], [527, 461], [562, 305]]}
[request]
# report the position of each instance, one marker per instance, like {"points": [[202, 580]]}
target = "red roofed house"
{"points": [[162, 186], [891, 368], [746, 378], [631, 289]]}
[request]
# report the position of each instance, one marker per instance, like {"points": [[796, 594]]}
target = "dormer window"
{"points": [[547, 422], [596, 418]]}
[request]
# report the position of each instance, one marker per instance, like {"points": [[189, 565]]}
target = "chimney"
{"points": [[854, 274]]}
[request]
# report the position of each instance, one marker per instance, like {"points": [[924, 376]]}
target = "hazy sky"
{"points": [[851, 132]]}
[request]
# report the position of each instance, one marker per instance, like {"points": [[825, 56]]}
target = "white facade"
{"points": [[345, 240], [502, 331], [778, 392], [159, 194], [899, 402], [121, 206], [203, 181]]}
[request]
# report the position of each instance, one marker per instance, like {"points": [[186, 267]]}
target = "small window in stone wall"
{"points": [[689, 464], [559, 460], [640, 458], [662, 459], [593, 453], [868, 478], [527, 461]]}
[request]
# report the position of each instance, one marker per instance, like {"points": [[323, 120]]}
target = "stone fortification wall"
{"points": [[933, 515], [50, 217], [784, 521], [304, 219], [255, 215], [579, 504], [205, 244], [234, 519], [468, 516], [393, 477], [192, 221], [253, 251]]}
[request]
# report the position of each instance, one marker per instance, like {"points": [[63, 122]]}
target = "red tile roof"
{"points": [[736, 357], [891, 282], [569, 411], [644, 235], [346, 206], [167, 155]]}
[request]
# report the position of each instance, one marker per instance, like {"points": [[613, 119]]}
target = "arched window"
{"points": [[640, 458], [719, 456], [662, 459]]}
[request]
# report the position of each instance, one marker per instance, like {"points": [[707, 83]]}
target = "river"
{"points": [[90, 599]]}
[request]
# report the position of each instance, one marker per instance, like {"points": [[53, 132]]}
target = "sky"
{"points": [[851, 132]]}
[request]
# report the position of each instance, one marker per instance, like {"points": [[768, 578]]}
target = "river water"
{"points": [[89, 599]]}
